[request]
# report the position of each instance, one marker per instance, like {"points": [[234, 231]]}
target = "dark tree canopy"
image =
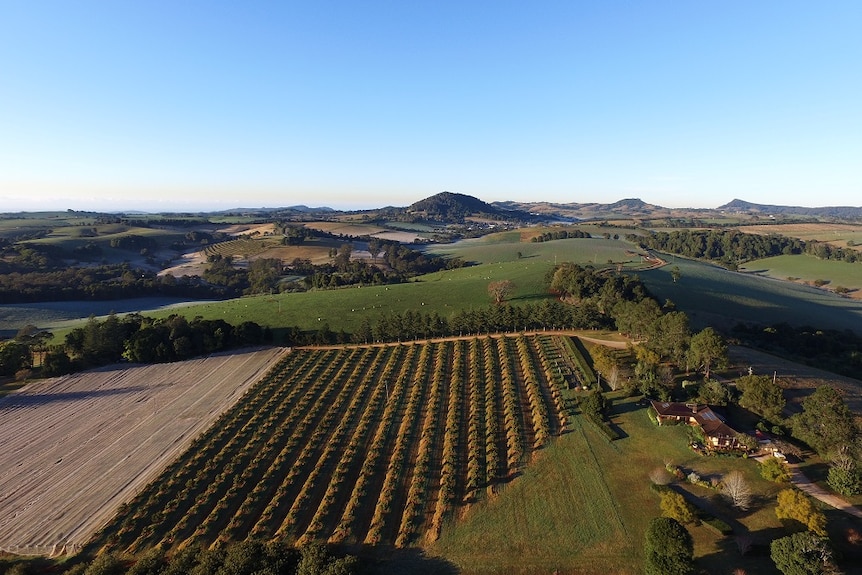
{"points": [[707, 351], [826, 422], [668, 547], [761, 395], [802, 553]]}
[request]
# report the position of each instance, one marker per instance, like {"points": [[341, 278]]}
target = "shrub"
{"points": [[775, 469], [660, 476], [717, 525], [675, 506], [845, 481], [796, 507]]}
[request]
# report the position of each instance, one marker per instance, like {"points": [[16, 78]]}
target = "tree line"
{"points": [[133, 338], [249, 557], [732, 247], [105, 282], [559, 235]]}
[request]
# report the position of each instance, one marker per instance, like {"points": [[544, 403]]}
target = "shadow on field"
{"points": [[413, 561], [620, 407], [748, 551], [26, 400]]}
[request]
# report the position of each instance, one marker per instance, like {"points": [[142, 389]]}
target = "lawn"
{"points": [[587, 503]]}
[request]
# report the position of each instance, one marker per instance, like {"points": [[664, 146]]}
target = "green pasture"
{"points": [[505, 247], [444, 292], [12, 225], [711, 295], [583, 505], [809, 268], [70, 237]]}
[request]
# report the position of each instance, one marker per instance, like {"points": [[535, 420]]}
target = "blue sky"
{"points": [[176, 105]]}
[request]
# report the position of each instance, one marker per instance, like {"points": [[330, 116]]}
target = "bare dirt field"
{"points": [[189, 264], [246, 229], [76, 447]]}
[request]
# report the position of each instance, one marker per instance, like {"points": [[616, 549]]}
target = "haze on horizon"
{"points": [[166, 106]]}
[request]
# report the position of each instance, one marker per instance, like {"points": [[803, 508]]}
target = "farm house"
{"points": [[718, 434]]}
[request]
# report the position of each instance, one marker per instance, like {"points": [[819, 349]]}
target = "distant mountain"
{"points": [[633, 204], [630, 207], [741, 206], [450, 206]]}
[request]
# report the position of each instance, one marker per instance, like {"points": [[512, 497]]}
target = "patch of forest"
{"points": [[731, 248]]}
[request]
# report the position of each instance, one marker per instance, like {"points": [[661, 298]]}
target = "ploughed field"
{"points": [[76, 447], [357, 445]]}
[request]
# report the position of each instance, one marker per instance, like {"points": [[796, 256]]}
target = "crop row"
{"points": [[374, 445]]}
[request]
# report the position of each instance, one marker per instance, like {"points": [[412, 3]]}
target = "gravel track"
{"points": [[75, 447]]}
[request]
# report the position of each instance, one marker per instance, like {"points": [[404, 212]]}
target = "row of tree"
{"points": [[559, 235], [732, 247], [249, 557], [107, 282], [133, 338]]}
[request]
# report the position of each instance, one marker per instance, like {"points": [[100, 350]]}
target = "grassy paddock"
{"points": [[714, 296], [505, 247], [809, 268], [587, 503]]}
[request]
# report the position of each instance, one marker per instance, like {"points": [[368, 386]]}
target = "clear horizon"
{"points": [[195, 106]]}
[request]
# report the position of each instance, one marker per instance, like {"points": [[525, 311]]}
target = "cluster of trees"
{"points": [[826, 251], [729, 247], [601, 287], [133, 338], [133, 242], [396, 264], [106, 282], [549, 314], [827, 425], [732, 247], [560, 235], [669, 547], [249, 557]]}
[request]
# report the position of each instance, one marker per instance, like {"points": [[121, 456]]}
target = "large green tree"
{"points": [[14, 356], [668, 547], [826, 423], [802, 553], [670, 337], [762, 395], [707, 351]]}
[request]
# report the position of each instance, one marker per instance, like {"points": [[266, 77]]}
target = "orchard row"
{"points": [[374, 445]]}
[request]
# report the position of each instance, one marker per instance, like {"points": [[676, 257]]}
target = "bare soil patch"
{"points": [[248, 229], [190, 264], [76, 447]]}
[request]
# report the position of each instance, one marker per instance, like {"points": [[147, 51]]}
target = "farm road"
{"points": [[801, 481], [76, 447]]}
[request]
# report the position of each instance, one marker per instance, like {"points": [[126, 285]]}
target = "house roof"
{"points": [[710, 421]]}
